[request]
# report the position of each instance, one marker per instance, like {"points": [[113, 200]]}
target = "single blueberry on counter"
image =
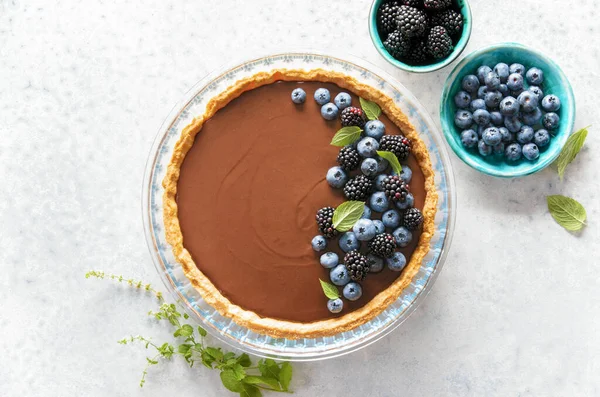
{"points": [[339, 275], [364, 229], [318, 243], [352, 291], [513, 152], [329, 260], [349, 242], [550, 121], [322, 96], [531, 151], [329, 111], [367, 147], [375, 129], [335, 305], [541, 138], [469, 138], [342, 100], [336, 177], [535, 76], [396, 262], [298, 96]]}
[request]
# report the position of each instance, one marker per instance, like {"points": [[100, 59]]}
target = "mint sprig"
{"points": [[236, 371], [570, 150], [329, 290], [371, 109], [567, 212], [346, 136], [346, 215], [392, 159]]}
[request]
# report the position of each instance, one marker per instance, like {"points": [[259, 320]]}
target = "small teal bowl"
{"points": [[458, 48], [555, 82]]}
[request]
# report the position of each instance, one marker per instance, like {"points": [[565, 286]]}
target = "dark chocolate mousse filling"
{"points": [[247, 196]]}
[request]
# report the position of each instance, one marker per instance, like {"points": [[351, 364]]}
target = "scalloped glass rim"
{"points": [[223, 328]]}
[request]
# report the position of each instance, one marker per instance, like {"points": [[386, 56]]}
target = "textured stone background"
{"points": [[83, 90]]}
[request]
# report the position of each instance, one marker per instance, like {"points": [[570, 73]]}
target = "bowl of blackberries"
{"points": [[507, 110], [420, 35]]}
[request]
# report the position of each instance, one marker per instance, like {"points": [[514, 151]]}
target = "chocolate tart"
{"points": [[241, 191]]}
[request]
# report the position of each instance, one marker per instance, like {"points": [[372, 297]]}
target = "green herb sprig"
{"points": [[567, 212], [236, 371], [570, 150]]}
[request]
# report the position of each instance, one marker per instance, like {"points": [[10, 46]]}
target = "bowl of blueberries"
{"points": [[420, 36], [507, 110]]}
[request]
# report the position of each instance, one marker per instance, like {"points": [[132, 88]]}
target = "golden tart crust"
{"points": [[270, 326]]}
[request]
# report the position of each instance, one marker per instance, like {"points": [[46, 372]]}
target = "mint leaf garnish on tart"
{"points": [[329, 290], [371, 109], [346, 136], [392, 159], [346, 215]]}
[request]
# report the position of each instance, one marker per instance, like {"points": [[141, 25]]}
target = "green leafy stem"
{"points": [[236, 371]]}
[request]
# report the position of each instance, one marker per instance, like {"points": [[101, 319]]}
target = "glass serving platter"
{"points": [[223, 328]]}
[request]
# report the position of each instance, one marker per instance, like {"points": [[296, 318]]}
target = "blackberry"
{"points": [[412, 3], [383, 245], [413, 218], [358, 188], [353, 116], [397, 144], [418, 54], [397, 44], [451, 20], [357, 265], [348, 158], [437, 5], [439, 43], [411, 21], [395, 188], [386, 17], [325, 222]]}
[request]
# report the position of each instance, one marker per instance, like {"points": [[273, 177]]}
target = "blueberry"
{"points": [[352, 291], [513, 152], [375, 129], [502, 71], [367, 147], [369, 167], [496, 118], [329, 260], [537, 91], [379, 226], [492, 99], [541, 138], [462, 99], [484, 150], [503, 89], [482, 91], [528, 101], [403, 236], [482, 71], [550, 121], [391, 219], [513, 123], [375, 263], [477, 104], [470, 83], [342, 100], [463, 119], [498, 148], [507, 136], [469, 138], [318, 243], [532, 118], [531, 151], [336, 177], [409, 202], [509, 106], [322, 96], [481, 117], [492, 81], [364, 229], [335, 305], [396, 262], [298, 96], [534, 77], [339, 275], [515, 82], [382, 164], [550, 103], [491, 136], [379, 182], [379, 202], [406, 173], [517, 68], [349, 242], [525, 134], [366, 213], [329, 111]]}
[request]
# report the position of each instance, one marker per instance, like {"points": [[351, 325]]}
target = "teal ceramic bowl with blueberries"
{"points": [[523, 150], [459, 39]]}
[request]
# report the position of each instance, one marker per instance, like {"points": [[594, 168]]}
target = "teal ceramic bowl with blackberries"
{"points": [[507, 110], [420, 36]]}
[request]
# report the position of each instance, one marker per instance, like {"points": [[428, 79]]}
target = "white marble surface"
{"points": [[83, 89]]}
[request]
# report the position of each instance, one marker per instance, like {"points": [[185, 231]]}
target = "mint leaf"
{"points": [[184, 348], [215, 353], [570, 150], [371, 109], [392, 159], [346, 215], [239, 371], [285, 375], [201, 331], [186, 330], [207, 359], [258, 380], [269, 368], [250, 391], [244, 360], [329, 290], [231, 382], [567, 212], [346, 136]]}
